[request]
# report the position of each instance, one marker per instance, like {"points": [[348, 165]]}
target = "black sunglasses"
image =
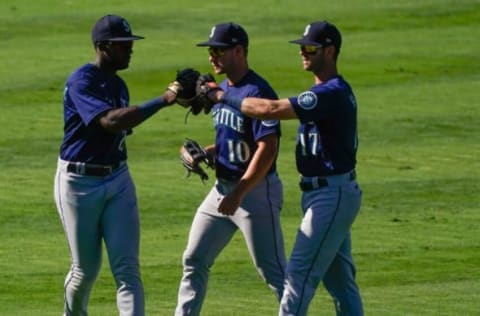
{"points": [[309, 49], [218, 51]]}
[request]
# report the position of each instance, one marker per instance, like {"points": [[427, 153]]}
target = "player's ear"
{"points": [[239, 49], [330, 51], [104, 46]]}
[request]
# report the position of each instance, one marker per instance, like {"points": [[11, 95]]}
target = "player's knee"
{"points": [[195, 263], [346, 297], [83, 276], [126, 271]]}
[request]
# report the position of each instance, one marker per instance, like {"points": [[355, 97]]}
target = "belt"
{"points": [[313, 183], [86, 169]]}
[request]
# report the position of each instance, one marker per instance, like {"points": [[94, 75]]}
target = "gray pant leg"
{"points": [[340, 282], [259, 220], [328, 216], [121, 230], [91, 209], [80, 215], [209, 233]]}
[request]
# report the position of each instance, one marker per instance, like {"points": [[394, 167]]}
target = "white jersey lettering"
{"points": [[229, 118]]}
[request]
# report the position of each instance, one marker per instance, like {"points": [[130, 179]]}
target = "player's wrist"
{"points": [[215, 95], [169, 96], [149, 108]]}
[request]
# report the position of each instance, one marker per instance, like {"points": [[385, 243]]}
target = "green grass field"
{"points": [[415, 68]]}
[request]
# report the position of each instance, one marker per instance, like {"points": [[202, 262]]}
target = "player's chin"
{"points": [[123, 64], [121, 67]]}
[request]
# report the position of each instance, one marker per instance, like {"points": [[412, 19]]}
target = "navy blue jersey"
{"points": [[327, 138], [237, 134], [88, 93]]}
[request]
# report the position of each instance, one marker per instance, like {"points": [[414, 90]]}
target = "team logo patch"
{"points": [[307, 100], [307, 29], [212, 32], [269, 123], [126, 26]]}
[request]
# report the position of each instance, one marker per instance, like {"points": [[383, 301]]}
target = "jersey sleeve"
{"points": [[314, 105], [88, 100]]}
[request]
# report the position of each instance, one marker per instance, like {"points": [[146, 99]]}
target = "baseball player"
{"points": [[94, 192], [247, 194], [326, 157]]}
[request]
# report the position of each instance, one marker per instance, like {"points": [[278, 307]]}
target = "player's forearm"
{"points": [[115, 121], [121, 119], [253, 107], [257, 170], [264, 109], [254, 175], [259, 166], [210, 149]]}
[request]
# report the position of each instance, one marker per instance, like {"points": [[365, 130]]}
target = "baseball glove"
{"points": [[206, 84], [184, 87], [197, 155]]}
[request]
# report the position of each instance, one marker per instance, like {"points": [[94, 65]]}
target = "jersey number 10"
{"points": [[238, 151]]}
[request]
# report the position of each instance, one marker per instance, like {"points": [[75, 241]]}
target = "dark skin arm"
{"points": [[118, 120]]}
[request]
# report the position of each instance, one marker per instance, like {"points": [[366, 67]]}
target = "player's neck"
{"points": [[237, 75], [325, 74], [104, 66]]}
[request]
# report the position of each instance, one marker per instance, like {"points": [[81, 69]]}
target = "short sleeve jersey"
{"points": [[237, 134], [327, 138], [88, 93]]}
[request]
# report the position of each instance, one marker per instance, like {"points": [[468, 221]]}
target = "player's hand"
{"points": [[230, 203], [191, 155], [206, 88], [185, 83], [170, 94], [187, 157]]}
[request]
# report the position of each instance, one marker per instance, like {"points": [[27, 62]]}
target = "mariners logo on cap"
{"points": [[126, 26], [307, 29], [212, 32], [307, 100]]}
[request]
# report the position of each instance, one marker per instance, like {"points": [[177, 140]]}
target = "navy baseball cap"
{"points": [[113, 28], [226, 35], [320, 34]]}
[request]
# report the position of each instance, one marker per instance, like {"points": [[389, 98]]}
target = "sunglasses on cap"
{"points": [[217, 51], [309, 49]]}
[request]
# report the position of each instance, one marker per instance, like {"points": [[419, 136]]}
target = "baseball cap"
{"points": [[320, 34], [226, 35], [113, 28]]}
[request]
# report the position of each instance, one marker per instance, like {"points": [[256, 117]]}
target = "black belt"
{"points": [[320, 182], [86, 169]]}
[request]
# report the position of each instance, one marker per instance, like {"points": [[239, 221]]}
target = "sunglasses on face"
{"points": [[217, 51], [309, 49], [118, 44], [123, 44]]}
